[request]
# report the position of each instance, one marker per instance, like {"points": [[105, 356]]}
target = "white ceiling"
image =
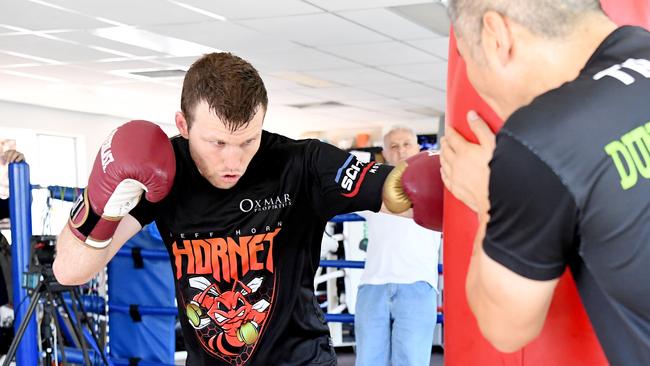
{"points": [[383, 67]]}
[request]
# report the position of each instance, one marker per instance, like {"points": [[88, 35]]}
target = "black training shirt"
{"points": [[244, 258], [570, 186]]}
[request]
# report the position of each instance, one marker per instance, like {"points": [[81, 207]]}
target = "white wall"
{"points": [[21, 121]]}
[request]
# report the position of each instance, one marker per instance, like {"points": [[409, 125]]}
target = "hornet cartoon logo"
{"points": [[229, 310]]}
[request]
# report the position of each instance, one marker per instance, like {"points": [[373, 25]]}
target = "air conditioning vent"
{"points": [[329, 104], [158, 74]]}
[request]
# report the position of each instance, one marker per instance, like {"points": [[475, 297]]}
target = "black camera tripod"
{"points": [[51, 292]]}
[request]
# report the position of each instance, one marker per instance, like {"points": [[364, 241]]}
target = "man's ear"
{"points": [[496, 39], [181, 124]]}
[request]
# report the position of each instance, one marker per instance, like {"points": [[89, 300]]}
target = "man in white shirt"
{"points": [[396, 304]]}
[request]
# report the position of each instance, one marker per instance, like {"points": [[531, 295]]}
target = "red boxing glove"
{"points": [[136, 157], [416, 183]]}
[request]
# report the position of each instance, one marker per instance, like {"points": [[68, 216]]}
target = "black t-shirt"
{"points": [[4, 208], [570, 186], [244, 259]]}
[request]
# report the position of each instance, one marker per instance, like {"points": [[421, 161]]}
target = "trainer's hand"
{"points": [[416, 183], [465, 170], [137, 157], [12, 156]]}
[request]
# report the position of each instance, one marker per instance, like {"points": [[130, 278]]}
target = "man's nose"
{"points": [[232, 158]]}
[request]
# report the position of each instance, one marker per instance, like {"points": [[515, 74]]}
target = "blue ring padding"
{"points": [[346, 217], [349, 318], [68, 194], [21, 234], [339, 318], [144, 310], [92, 303], [146, 253], [342, 264], [353, 264]]}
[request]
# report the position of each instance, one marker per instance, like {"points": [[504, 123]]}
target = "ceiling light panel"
{"points": [[152, 41], [87, 38]]}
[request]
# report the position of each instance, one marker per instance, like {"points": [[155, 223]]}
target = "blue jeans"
{"points": [[394, 324]]}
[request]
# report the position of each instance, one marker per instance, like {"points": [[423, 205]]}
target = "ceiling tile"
{"points": [[246, 9], [337, 94], [388, 23], [70, 74], [437, 100], [315, 29], [12, 60], [284, 97], [380, 54], [431, 71], [403, 90], [336, 5], [224, 36], [295, 59], [51, 49], [32, 16], [85, 38], [135, 13], [273, 83], [356, 77], [123, 65], [438, 46]]}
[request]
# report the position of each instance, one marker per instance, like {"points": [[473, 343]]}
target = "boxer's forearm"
{"points": [[76, 263]]}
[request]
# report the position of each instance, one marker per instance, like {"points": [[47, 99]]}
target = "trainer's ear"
{"points": [[496, 39], [181, 124]]}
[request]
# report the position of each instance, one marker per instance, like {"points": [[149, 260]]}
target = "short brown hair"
{"points": [[231, 87]]}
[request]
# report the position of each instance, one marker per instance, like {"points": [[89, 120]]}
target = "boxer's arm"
{"points": [[136, 160], [339, 183], [522, 246], [76, 263]]}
